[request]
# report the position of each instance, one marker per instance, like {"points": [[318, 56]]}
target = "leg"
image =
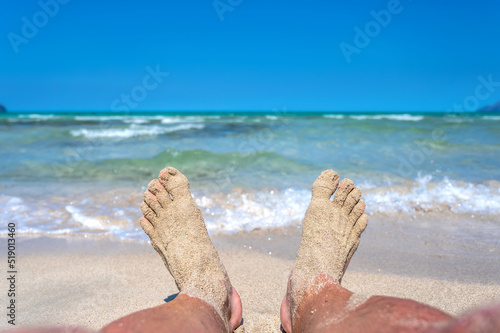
{"points": [[315, 301], [207, 301], [183, 314], [486, 319], [66, 329]]}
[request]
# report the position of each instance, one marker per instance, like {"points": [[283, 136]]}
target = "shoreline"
{"points": [[91, 282], [433, 243]]}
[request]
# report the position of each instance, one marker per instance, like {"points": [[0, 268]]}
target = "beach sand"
{"points": [[89, 282]]}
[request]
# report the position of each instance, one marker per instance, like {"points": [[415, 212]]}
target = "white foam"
{"points": [[272, 117], [11, 205], [445, 195], [250, 210], [99, 118], [86, 221], [398, 117], [183, 127], [124, 119], [180, 119], [333, 116], [133, 131], [40, 116], [491, 117], [34, 116], [241, 210], [136, 121]]}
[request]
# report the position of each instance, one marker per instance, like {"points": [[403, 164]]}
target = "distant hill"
{"points": [[2, 108], [491, 108]]}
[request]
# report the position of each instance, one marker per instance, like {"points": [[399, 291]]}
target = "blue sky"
{"points": [[247, 55]]}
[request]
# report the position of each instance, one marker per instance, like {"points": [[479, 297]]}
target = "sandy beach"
{"points": [[91, 282]]}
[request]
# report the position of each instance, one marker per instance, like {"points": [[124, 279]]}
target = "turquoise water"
{"points": [[246, 171]]}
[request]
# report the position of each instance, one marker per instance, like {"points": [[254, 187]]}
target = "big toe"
{"points": [[325, 185], [176, 184]]}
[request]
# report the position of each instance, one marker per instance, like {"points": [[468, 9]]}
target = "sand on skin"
{"points": [[179, 235], [93, 282]]}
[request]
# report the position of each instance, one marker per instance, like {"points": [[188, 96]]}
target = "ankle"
{"points": [[319, 305]]}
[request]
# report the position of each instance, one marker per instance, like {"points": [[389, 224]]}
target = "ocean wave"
{"points": [[100, 118], [443, 196], [133, 131], [397, 117], [180, 119], [136, 120], [39, 117], [333, 116], [32, 118], [242, 210], [491, 117], [124, 119], [73, 216], [227, 212], [224, 170], [139, 119], [457, 118], [86, 221]]}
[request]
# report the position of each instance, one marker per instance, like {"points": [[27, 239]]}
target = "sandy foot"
{"points": [[330, 235], [174, 223]]}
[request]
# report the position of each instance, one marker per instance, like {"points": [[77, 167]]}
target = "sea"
{"points": [[68, 174]]}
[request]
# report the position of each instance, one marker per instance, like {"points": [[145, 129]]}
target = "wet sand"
{"points": [[90, 282]]}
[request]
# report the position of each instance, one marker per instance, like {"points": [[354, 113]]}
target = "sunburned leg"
{"points": [[207, 301], [315, 301], [486, 319], [67, 329], [335, 309], [183, 314]]}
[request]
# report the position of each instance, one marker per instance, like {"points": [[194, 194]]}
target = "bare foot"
{"points": [[174, 223], [330, 235]]}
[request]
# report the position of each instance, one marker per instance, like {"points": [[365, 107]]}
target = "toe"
{"points": [[357, 211], [345, 187], [160, 192], [325, 185], [354, 237], [147, 227], [360, 225], [352, 199], [353, 249], [176, 184], [152, 202], [148, 213]]}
